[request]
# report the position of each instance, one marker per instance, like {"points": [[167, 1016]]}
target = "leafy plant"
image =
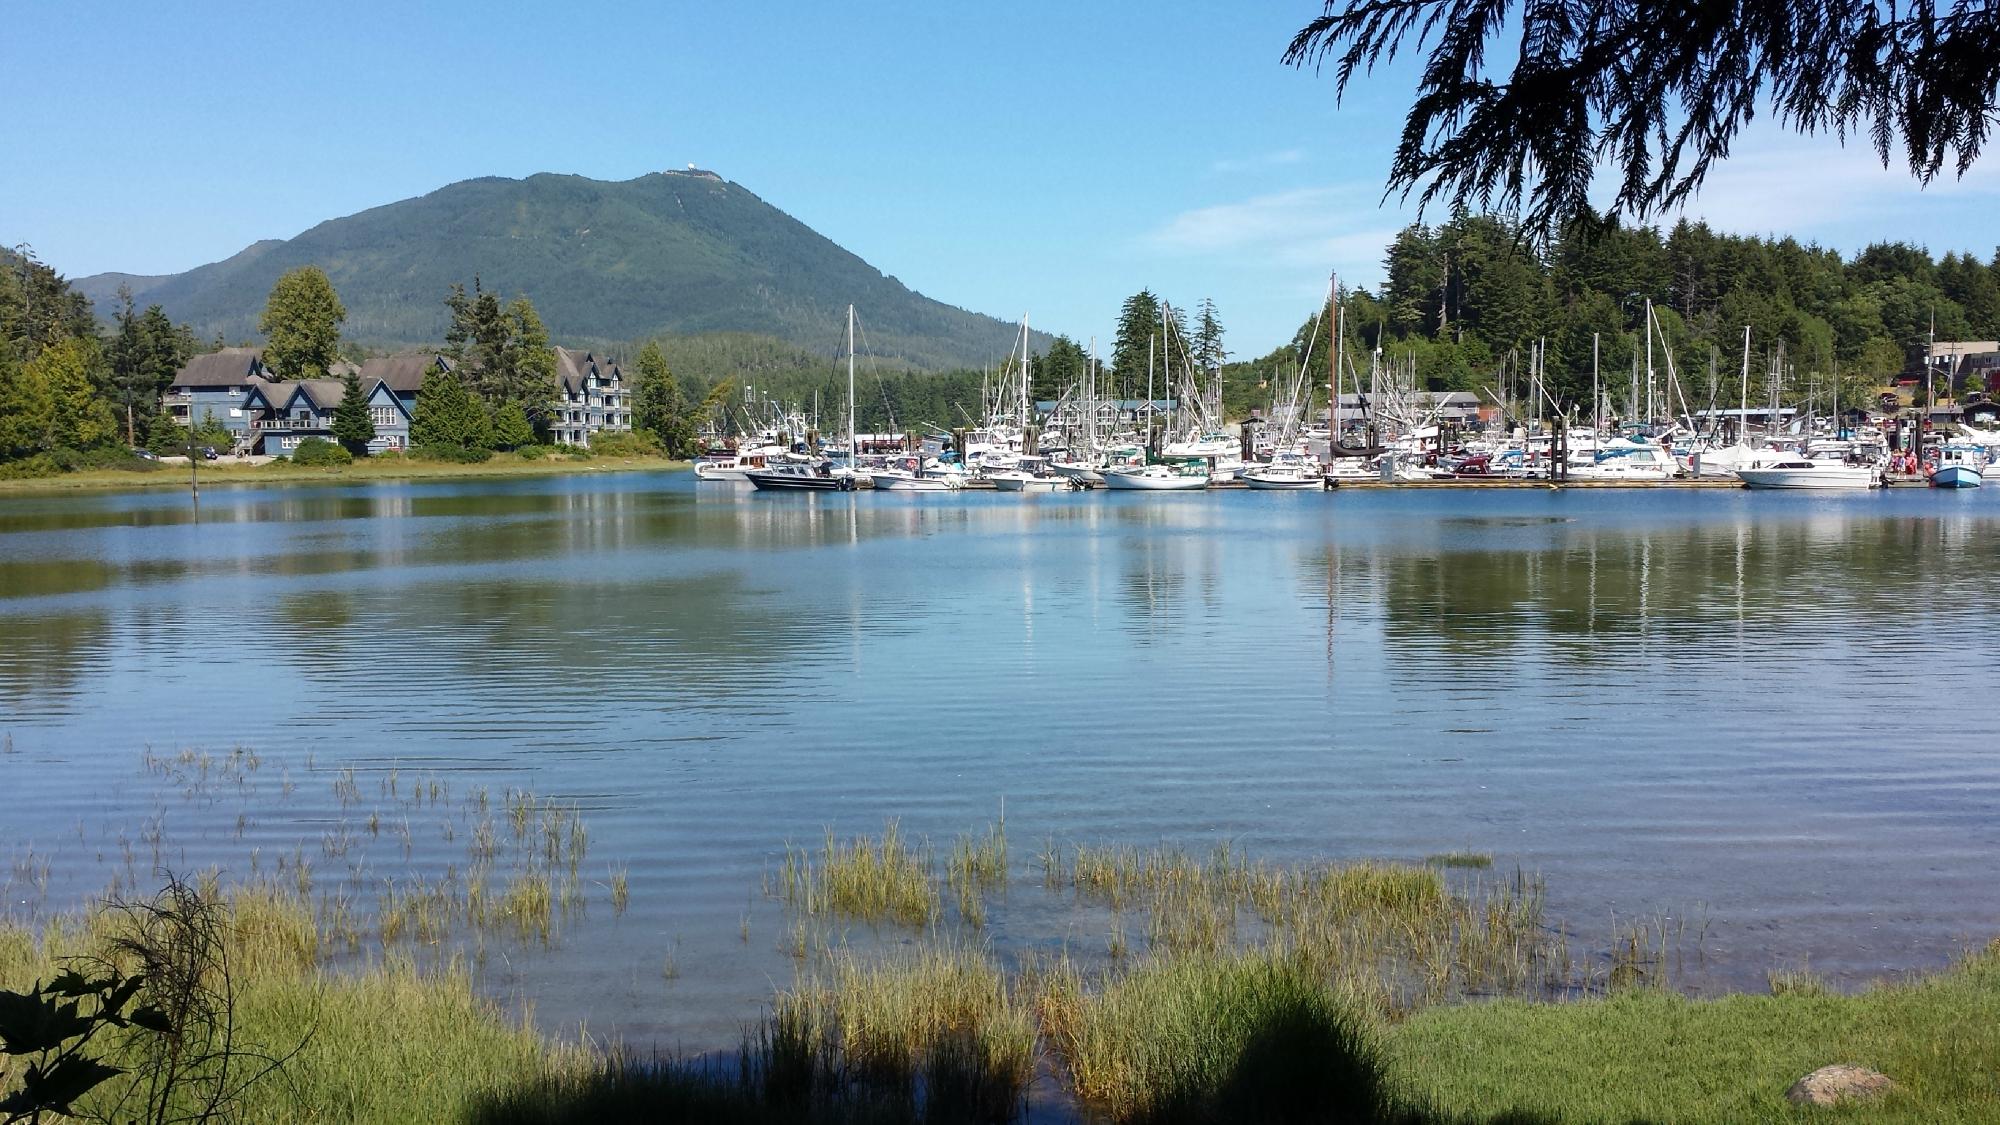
{"points": [[53, 1026]]}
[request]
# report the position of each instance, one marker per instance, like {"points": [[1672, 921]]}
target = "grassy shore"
{"points": [[1355, 992], [172, 477]]}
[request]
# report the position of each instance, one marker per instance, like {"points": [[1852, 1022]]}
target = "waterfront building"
{"points": [[591, 398], [215, 387]]}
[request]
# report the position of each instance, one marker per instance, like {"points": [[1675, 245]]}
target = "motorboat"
{"points": [[1288, 471], [1276, 478], [1638, 463], [1959, 466], [801, 477], [1156, 478], [903, 480], [1798, 472], [1020, 480], [733, 468]]}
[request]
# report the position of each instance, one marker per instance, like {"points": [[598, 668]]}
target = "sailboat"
{"points": [[818, 476]]}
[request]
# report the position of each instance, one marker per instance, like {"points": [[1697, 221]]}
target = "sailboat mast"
{"points": [[1333, 364], [1596, 399], [1650, 410], [1026, 376], [853, 441], [1743, 393]]}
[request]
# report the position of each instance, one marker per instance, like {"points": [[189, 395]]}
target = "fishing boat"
{"points": [[1156, 478], [733, 468], [1797, 472], [1959, 466]]}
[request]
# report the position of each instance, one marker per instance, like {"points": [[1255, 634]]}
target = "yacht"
{"points": [[1798, 472]]}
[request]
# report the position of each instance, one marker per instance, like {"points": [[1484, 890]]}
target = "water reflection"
{"points": [[1627, 692]]}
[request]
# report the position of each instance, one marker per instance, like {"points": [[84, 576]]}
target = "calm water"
{"points": [[1759, 711]]}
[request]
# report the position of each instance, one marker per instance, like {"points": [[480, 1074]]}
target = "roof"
{"points": [[404, 373], [323, 393], [230, 367], [573, 368]]}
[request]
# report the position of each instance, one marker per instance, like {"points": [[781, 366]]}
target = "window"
{"points": [[235, 412], [382, 415]]}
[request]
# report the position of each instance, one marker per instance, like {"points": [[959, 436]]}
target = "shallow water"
{"points": [[1756, 712]]}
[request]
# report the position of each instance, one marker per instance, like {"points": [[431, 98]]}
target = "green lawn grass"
{"points": [[1656, 1056]]}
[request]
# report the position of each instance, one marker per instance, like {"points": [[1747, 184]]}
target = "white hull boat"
{"points": [[1154, 478], [898, 480], [1797, 473], [1955, 476], [1081, 474], [1026, 482], [1282, 479]]}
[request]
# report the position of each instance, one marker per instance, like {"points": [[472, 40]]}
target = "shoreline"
{"points": [[175, 477]]}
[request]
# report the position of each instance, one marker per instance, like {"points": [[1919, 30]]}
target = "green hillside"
{"points": [[670, 252]]}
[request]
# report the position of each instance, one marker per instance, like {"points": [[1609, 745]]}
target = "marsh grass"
{"points": [[1232, 1037], [873, 879], [977, 865], [1475, 860]]}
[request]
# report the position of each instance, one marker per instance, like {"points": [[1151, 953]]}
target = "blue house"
{"points": [[216, 386], [392, 382]]}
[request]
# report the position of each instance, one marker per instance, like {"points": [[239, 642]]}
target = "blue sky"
{"points": [[1046, 158]]}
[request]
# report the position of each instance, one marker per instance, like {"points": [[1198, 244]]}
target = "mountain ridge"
{"points": [[672, 252]]}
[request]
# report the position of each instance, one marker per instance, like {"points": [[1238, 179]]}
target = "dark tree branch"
{"points": [[1658, 90]]}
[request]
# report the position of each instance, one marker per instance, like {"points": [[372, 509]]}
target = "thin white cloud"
{"points": [[1802, 186], [1232, 165], [1329, 227]]}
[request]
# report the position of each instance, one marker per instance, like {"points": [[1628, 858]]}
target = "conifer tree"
{"points": [[352, 426], [660, 406], [447, 415], [511, 428]]}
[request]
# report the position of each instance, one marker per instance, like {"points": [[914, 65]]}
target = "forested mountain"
{"points": [[678, 252], [1465, 300]]}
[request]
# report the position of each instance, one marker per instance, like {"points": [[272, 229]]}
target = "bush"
{"points": [[624, 445], [388, 455], [27, 468], [319, 451], [453, 453], [532, 452], [566, 450]]}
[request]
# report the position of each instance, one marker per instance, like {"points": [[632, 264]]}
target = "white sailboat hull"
{"points": [[1082, 474], [1143, 482]]}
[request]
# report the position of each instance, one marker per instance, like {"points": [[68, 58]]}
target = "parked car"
{"points": [[208, 453], [145, 455]]}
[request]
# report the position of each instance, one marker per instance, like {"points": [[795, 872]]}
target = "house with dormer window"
{"points": [[215, 387], [591, 398]]}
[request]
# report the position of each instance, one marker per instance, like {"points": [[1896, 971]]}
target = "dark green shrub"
{"points": [[532, 452], [320, 452], [453, 453]]}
